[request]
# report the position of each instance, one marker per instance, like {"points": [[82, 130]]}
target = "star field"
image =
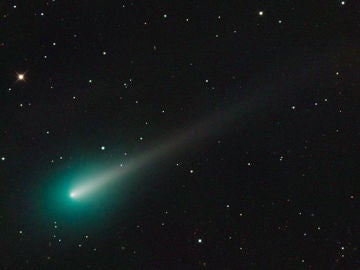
{"points": [[227, 133]]}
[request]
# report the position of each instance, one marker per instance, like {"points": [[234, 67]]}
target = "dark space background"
{"points": [[278, 188]]}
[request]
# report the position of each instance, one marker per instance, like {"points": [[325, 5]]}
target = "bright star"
{"points": [[21, 76]]}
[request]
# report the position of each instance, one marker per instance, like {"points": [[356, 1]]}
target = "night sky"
{"points": [[179, 134]]}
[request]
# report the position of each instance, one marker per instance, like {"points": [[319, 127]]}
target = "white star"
{"points": [[21, 77]]}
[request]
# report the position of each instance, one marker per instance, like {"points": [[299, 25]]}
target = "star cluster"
{"points": [[88, 86]]}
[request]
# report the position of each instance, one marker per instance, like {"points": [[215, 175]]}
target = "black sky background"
{"points": [[278, 188]]}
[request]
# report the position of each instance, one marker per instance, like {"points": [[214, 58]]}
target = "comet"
{"points": [[261, 98], [174, 144]]}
